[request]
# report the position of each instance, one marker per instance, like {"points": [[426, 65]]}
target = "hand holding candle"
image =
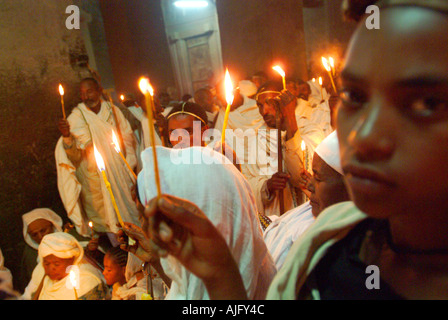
{"points": [[229, 99]]}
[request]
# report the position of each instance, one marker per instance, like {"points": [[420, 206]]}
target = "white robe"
{"points": [[283, 231], [223, 194], [87, 127]]}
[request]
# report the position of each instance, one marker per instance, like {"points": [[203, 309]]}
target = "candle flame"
{"points": [[229, 88], [122, 97], [115, 142], [61, 90], [279, 70], [145, 86], [320, 80], [72, 277], [330, 59], [302, 145], [314, 79], [325, 64], [99, 159], [90, 224]]}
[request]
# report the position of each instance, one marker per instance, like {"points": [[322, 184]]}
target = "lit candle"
{"points": [[304, 155], [229, 100], [321, 93], [117, 148], [61, 92], [328, 68], [147, 90], [74, 282], [102, 168], [282, 73], [122, 97], [331, 61], [91, 229], [314, 79]]}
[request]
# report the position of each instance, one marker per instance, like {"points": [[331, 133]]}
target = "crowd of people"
{"points": [[298, 201]]}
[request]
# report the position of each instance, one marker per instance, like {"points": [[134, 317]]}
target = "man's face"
{"points": [[56, 267], [304, 91], [393, 118], [39, 228], [267, 110], [326, 186], [90, 94], [185, 131]]}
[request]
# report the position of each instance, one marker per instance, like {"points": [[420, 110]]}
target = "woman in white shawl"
{"points": [[222, 193], [57, 252], [36, 224]]}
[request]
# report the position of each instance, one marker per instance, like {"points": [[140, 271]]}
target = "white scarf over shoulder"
{"points": [[222, 193], [88, 127]]}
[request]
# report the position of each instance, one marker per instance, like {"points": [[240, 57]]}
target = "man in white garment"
{"points": [[262, 168], [81, 184], [223, 194], [326, 187]]}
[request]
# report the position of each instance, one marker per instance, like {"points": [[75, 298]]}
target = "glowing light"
{"points": [[191, 4], [99, 159], [326, 64], [61, 90], [229, 88], [122, 97], [115, 142]]}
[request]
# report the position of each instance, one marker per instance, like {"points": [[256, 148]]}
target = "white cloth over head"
{"points": [[61, 245], [40, 213], [224, 195], [328, 150]]}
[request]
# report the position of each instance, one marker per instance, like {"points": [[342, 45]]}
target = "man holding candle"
{"points": [[263, 175], [80, 185]]}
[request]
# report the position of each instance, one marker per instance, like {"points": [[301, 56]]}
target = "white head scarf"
{"points": [[40, 213], [225, 196], [247, 88], [62, 245], [328, 150]]}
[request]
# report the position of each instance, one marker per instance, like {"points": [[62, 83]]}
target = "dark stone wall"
{"points": [[257, 34], [36, 50]]}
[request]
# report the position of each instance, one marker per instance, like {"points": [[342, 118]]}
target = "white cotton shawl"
{"points": [[284, 231], [332, 225], [87, 127], [64, 246], [223, 194], [40, 213]]}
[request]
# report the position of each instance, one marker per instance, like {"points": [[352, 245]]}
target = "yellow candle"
{"points": [[304, 155], [320, 83], [147, 90], [146, 296], [229, 99], [282, 73], [117, 148], [74, 282], [61, 92], [331, 61], [102, 168], [328, 68]]}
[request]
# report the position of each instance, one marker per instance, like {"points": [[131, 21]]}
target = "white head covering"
{"points": [[225, 196], [40, 213], [247, 88], [62, 245], [328, 150]]}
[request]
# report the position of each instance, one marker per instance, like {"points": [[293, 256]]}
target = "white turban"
{"points": [[61, 245], [328, 150], [40, 213], [247, 88]]}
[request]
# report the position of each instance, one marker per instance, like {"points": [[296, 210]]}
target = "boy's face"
{"points": [[393, 118]]}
